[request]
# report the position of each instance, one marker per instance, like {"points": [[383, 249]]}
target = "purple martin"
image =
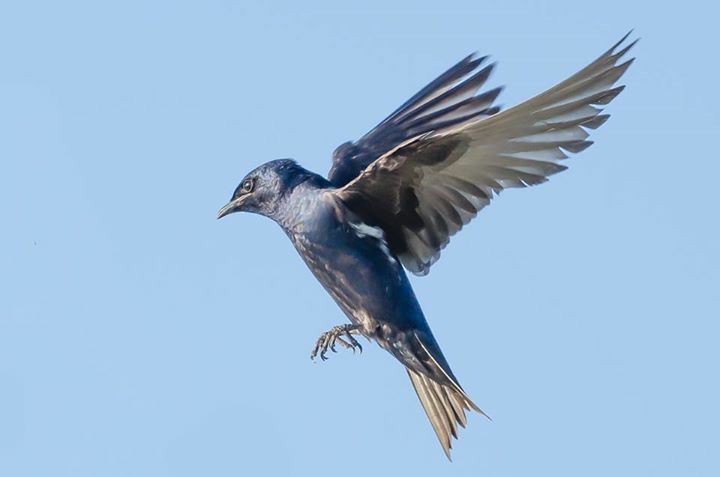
{"points": [[393, 199]]}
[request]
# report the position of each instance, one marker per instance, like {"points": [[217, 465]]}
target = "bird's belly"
{"points": [[366, 282]]}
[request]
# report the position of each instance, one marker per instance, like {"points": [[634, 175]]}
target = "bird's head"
{"points": [[262, 190]]}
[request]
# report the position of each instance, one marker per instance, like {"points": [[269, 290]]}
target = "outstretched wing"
{"points": [[425, 190], [448, 101]]}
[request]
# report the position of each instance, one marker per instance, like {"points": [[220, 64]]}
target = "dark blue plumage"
{"points": [[394, 198], [351, 260]]}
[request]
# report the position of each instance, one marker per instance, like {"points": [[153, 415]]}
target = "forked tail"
{"points": [[445, 406]]}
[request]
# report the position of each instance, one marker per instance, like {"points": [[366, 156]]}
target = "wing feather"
{"points": [[425, 189], [446, 102]]}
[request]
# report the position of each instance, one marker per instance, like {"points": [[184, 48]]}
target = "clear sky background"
{"points": [[141, 337]]}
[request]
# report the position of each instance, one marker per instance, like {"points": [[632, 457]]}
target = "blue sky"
{"points": [[141, 337]]}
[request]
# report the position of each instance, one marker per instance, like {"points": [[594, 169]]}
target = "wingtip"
{"points": [[472, 61], [625, 49], [622, 40]]}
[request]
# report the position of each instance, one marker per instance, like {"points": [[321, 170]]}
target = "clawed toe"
{"points": [[353, 342], [341, 335]]}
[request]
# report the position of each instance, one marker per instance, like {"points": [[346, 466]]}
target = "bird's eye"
{"points": [[247, 185]]}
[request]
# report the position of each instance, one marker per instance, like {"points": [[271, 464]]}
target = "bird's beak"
{"points": [[232, 206]]}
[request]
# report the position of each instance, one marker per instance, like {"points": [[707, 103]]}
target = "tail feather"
{"points": [[445, 406]]}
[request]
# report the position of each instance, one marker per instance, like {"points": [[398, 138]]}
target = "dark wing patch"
{"points": [[427, 188], [401, 209], [447, 101]]}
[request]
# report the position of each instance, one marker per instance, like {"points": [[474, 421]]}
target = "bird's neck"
{"points": [[300, 205]]}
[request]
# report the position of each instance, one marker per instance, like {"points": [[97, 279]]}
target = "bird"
{"points": [[393, 199]]}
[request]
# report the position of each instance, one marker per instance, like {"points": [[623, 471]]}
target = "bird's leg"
{"points": [[342, 334]]}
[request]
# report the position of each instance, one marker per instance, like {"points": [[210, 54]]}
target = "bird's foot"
{"points": [[342, 334]]}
